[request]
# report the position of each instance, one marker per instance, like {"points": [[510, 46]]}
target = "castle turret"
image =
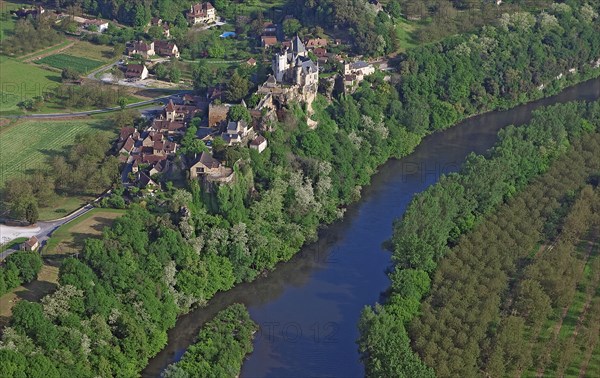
{"points": [[280, 65]]}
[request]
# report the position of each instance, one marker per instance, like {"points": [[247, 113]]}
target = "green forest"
{"points": [[462, 279], [220, 348], [174, 251]]}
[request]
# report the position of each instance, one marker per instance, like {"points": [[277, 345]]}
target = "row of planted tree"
{"points": [[462, 241]]}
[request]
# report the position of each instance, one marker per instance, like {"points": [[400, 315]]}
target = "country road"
{"points": [[41, 230], [164, 100]]}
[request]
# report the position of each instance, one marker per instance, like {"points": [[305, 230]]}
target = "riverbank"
{"points": [[347, 265]]}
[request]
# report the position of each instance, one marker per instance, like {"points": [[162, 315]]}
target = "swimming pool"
{"points": [[227, 34]]}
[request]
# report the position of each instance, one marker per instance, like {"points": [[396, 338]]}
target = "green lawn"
{"points": [[21, 81], [72, 235], [79, 64], [7, 22], [405, 30], [30, 144]]}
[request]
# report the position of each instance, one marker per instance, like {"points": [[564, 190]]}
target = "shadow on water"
{"points": [[308, 308]]}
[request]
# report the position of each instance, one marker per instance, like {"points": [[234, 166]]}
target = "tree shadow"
{"points": [[54, 79], [36, 290]]}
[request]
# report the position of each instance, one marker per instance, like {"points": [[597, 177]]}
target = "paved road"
{"points": [[42, 230], [163, 100]]}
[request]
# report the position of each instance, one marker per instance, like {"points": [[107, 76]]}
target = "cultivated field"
{"points": [[30, 144], [70, 237], [60, 61], [20, 81]]}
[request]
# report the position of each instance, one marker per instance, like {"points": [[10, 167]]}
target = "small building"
{"points": [[127, 132], [251, 62], [128, 146], [267, 41], [173, 112], [236, 132], [142, 48], [201, 13], [101, 25], [32, 244], [159, 168], [359, 68], [205, 165], [145, 182], [315, 42], [259, 143], [136, 72], [166, 48]]}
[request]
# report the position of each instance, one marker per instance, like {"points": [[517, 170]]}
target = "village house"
{"points": [[100, 25], [31, 244], [166, 48], [321, 54], [205, 165], [163, 148], [251, 62], [201, 13], [136, 72], [259, 143], [149, 49], [173, 112], [145, 182], [167, 127], [267, 41], [126, 132], [315, 42], [141, 48], [236, 132], [158, 22], [128, 146], [159, 168], [355, 72]]}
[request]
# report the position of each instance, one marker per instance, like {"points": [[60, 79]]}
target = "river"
{"points": [[308, 308]]}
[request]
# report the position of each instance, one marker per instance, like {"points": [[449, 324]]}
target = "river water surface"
{"points": [[308, 308]]}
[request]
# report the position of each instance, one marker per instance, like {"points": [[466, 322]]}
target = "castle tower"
{"points": [[280, 65]]}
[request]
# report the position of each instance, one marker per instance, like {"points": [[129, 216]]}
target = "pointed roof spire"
{"points": [[170, 106], [297, 46]]}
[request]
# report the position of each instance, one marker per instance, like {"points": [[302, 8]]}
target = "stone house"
{"points": [[201, 13]]}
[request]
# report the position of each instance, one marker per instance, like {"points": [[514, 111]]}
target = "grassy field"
{"points": [[405, 30], [34, 291], [79, 64], [70, 237], [7, 22], [85, 49], [29, 144], [20, 81]]}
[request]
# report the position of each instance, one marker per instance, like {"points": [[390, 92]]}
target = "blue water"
{"points": [[308, 308]]}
